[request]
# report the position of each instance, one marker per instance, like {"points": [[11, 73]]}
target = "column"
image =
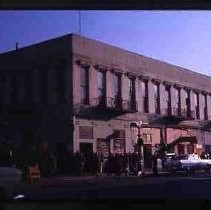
{"points": [[201, 106], [173, 97], [162, 97], [76, 83], [138, 94], [192, 107], [183, 99], [209, 106], [109, 84], [125, 87], [93, 85]]}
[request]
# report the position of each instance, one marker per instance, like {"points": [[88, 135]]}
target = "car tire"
{"points": [[189, 171]]}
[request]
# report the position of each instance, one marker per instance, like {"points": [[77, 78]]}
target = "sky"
{"points": [[182, 38]]}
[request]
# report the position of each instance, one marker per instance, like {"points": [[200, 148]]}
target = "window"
{"points": [[196, 104], [157, 98], [85, 132], [84, 85], [132, 92], [14, 89], [29, 88], [147, 138], [178, 100], [117, 90], [117, 85], [167, 104], [204, 104], [144, 87], [187, 100], [43, 86], [101, 84], [60, 83]]}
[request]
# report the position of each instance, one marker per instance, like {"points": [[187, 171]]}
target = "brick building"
{"points": [[85, 94]]}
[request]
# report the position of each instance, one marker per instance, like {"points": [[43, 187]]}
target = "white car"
{"points": [[188, 163], [11, 183]]}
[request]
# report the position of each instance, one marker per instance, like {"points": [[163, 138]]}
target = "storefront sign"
{"points": [[119, 146], [103, 147], [199, 146]]}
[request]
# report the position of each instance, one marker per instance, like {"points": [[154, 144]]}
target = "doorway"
{"points": [[86, 148], [148, 155]]}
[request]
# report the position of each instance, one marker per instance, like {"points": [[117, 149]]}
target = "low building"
{"points": [[85, 94]]}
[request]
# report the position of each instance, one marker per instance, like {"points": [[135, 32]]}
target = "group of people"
{"points": [[63, 161], [206, 155]]}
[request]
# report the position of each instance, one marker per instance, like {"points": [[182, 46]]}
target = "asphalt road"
{"points": [[181, 187]]}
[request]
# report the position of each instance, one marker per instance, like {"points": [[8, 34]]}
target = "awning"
{"points": [[206, 125], [191, 139], [166, 120]]}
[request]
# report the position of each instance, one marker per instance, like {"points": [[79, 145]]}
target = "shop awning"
{"points": [[206, 125], [166, 120], [191, 139]]}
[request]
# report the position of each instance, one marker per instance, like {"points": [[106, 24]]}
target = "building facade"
{"points": [[85, 94]]}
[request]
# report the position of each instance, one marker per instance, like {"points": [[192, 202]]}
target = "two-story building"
{"points": [[86, 94]]}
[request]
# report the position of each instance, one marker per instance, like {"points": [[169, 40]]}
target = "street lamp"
{"points": [[140, 143]]}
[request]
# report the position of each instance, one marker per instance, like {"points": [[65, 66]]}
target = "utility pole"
{"points": [[79, 22]]}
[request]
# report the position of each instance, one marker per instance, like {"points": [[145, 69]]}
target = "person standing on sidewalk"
{"points": [[155, 167]]}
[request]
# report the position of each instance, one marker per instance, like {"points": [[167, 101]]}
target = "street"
{"points": [[93, 188]]}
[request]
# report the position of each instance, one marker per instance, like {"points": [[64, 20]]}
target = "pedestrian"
{"points": [[155, 169]]}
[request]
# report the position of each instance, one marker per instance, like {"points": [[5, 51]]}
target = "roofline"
{"points": [[109, 45], [146, 57], [35, 44]]}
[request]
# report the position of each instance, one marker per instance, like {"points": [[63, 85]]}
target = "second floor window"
{"points": [[117, 86], [178, 100], [167, 104], [43, 87], [157, 98], [196, 105], [84, 85], [14, 89], [131, 89], [204, 104], [101, 84], [187, 102], [145, 103]]}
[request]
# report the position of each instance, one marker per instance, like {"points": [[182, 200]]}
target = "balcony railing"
{"points": [[187, 114], [130, 106], [115, 104]]}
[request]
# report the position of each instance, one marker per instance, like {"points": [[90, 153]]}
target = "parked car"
{"points": [[11, 184], [188, 163], [167, 159]]}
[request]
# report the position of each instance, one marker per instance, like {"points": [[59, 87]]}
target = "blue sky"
{"points": [[182, 38]]}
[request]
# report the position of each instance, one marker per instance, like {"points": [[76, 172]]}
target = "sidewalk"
{"points": [[68, 180]]}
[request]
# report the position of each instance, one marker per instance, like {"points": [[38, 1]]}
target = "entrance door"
{"points": [[148, 155], [190, 148], [181, 149], [86, 148]]}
